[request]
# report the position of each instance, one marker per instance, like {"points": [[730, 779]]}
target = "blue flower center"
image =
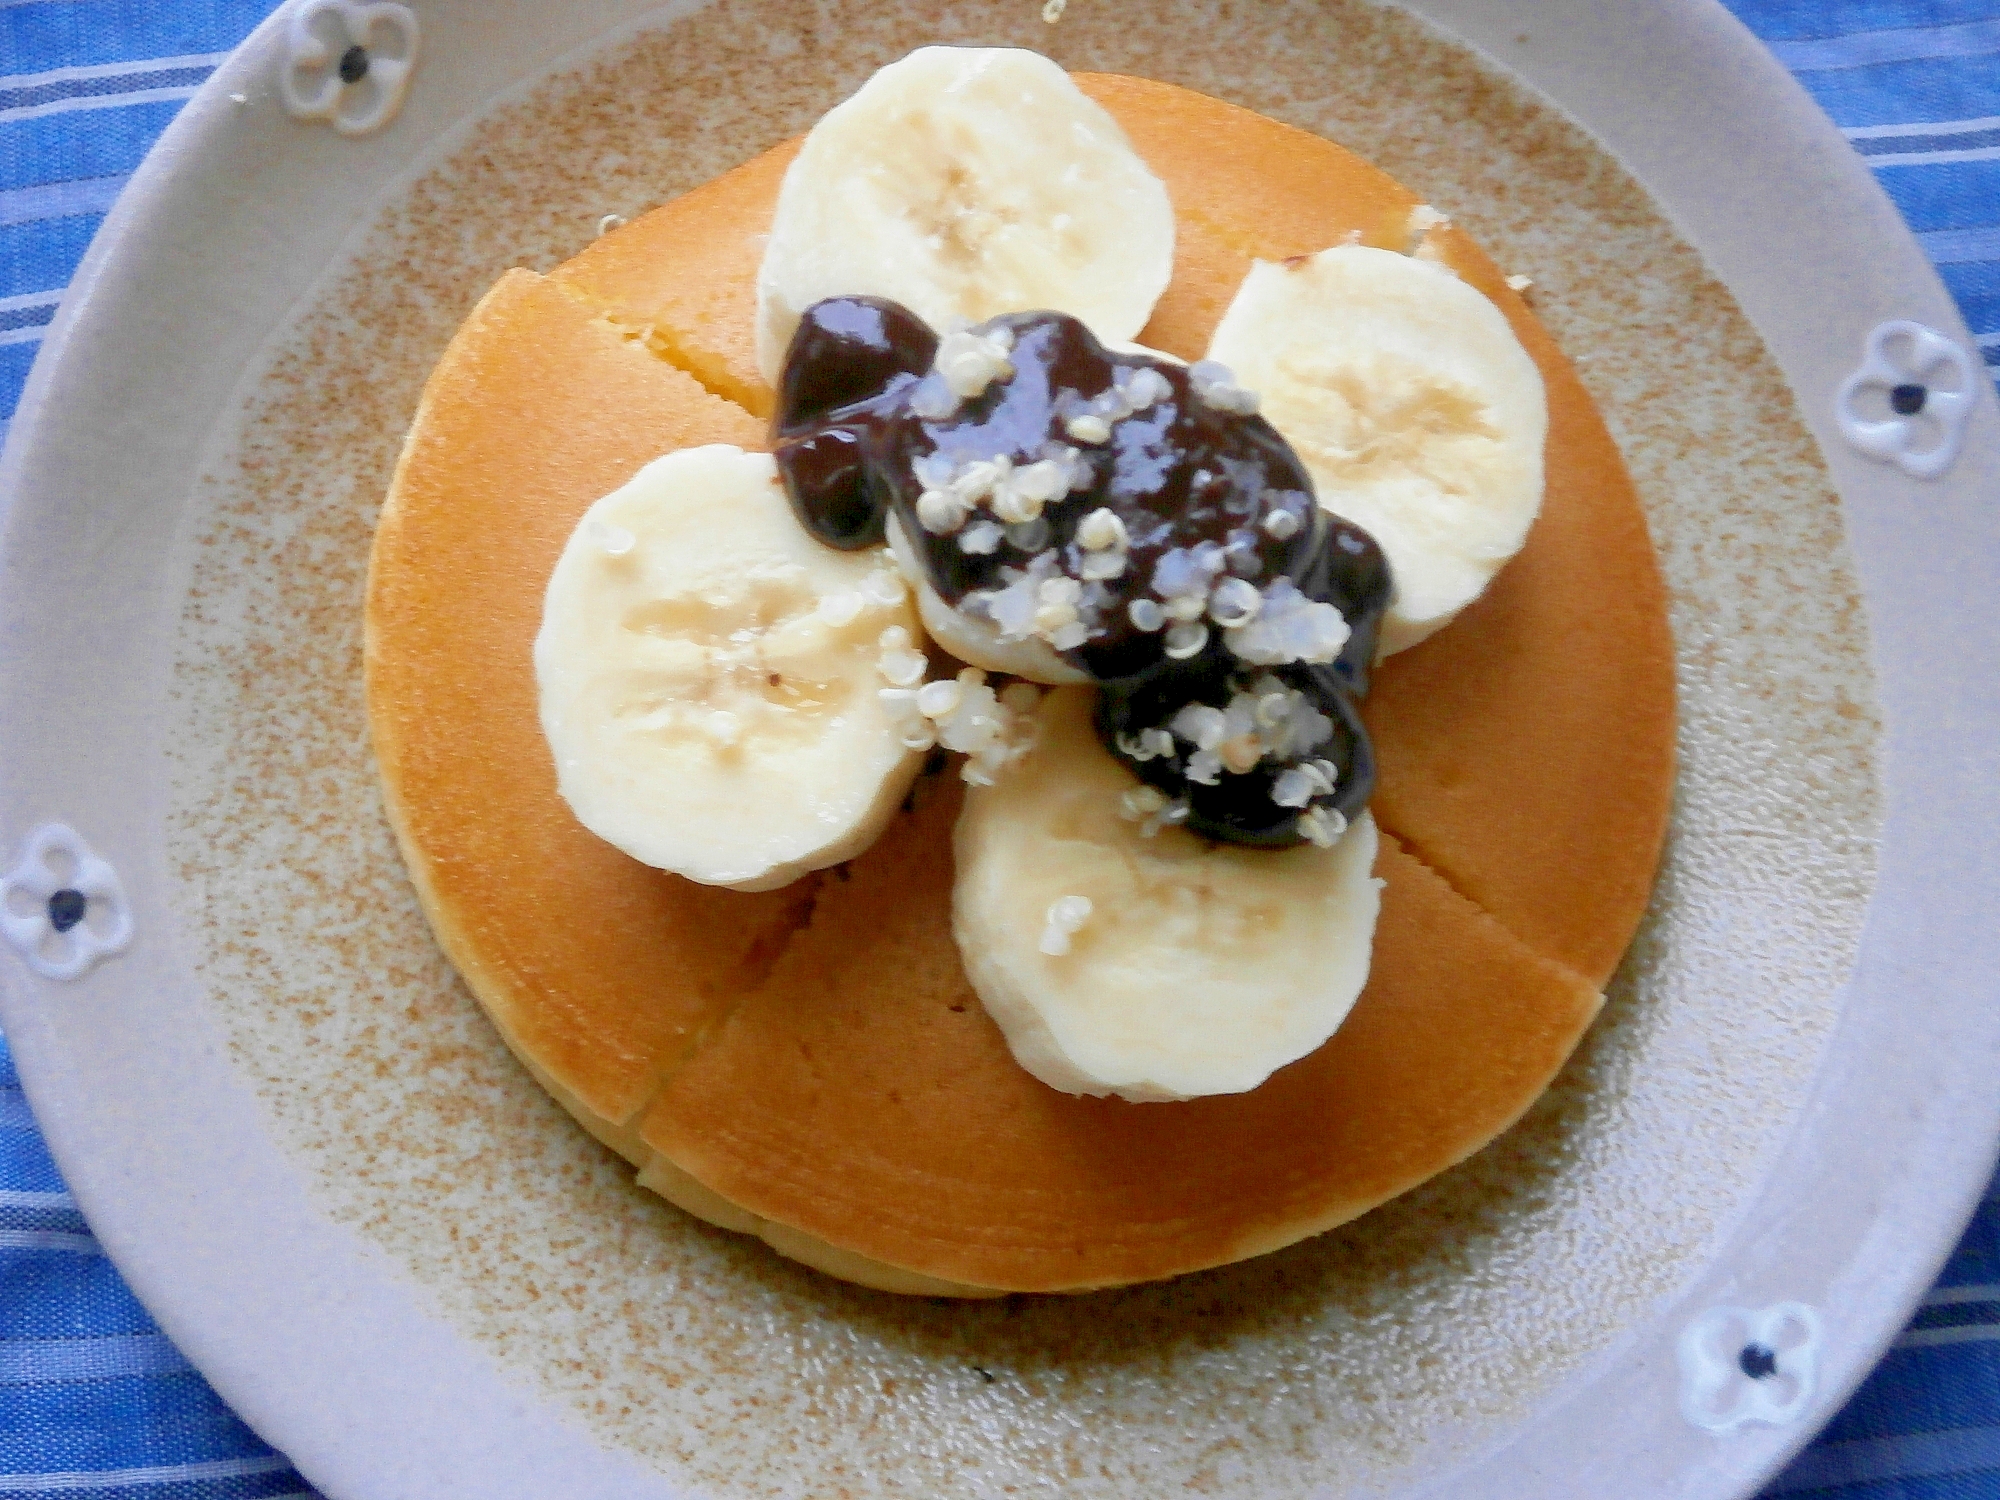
{"points": [[66, 909], [1757, 1362], [1907, 400]]}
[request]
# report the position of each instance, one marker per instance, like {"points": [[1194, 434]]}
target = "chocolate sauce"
{"points": [[1130, 511], [1350, 573], [1238, 807], [847, 361], [848, 351]]}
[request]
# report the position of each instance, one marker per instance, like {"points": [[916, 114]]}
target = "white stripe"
{"points": [[97, 101], [1867, 49], [1951, 247], [21, 300], [46, 1202], [32, 334], [1917, 1455], [1932, 158], [105, 1479], [1990, 341], [1983, 1291], [1970, 1333], [38, 1361], [112, 70], [60, 200], [1941, 127], [47, 1239]]}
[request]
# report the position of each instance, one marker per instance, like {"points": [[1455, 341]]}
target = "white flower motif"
{"points": [[1741, 1364], [348, 62], [61, 906], [1907, 405]]}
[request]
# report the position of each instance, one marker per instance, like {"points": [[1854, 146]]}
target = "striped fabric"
{"points": [[1915, 85], [95, 1404]]}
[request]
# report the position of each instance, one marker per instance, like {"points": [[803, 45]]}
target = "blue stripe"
{"points": [[1948, 196], [1950, 246], [55, 1296], [1864, 49], [1925, 1388], [1905, 145], [1958, 1314], [59, 200], [52, 1241], [1827, 1465], [67, 90], [1973, 279], [54, 33], [39, 254], [25, 1162], [166, 1419], [14, 1113], [15, 360], [182, 1482], [34, 1361], [26, 317], [40, 1211], [1803, 20], [211, 1479], [23, 1201], [51, 148], [1897, 93]]}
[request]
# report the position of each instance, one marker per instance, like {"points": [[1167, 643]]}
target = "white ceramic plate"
{"points": [[315, 1163]]}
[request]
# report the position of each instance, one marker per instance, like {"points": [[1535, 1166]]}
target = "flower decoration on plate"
{"points": [[1742, 1365], [348, 62], [1908, 403], [61, 906]]}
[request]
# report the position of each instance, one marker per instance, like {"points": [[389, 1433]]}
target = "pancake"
{"points": [[811, 1063]]}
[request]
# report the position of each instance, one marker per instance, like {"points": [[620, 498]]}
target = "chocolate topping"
{"points": [[1133, 513], [848, 350], [1319, 725]]}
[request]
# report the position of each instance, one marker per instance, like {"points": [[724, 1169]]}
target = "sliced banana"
{"points": [[1152, 968], [708, 677], [977, 642], [964, 182], [1416, 410]]}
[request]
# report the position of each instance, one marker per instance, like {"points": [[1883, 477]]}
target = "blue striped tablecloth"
{"points": [[95, 1404]]}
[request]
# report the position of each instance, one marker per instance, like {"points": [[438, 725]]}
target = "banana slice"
{"points": [[977, 642], [1153, 968], [708, 677], [964, 182], [1416, 410]]}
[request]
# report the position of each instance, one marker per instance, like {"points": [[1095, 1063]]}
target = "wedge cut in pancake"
{"points": [[689, 303], [810, 1064], [863, 1095], [599, 969]]}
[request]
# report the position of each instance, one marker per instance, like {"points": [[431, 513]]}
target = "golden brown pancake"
{"points": [[812, 1062]]}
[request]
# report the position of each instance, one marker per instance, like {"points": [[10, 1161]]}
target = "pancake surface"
{"points": [[814, 1055]]}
